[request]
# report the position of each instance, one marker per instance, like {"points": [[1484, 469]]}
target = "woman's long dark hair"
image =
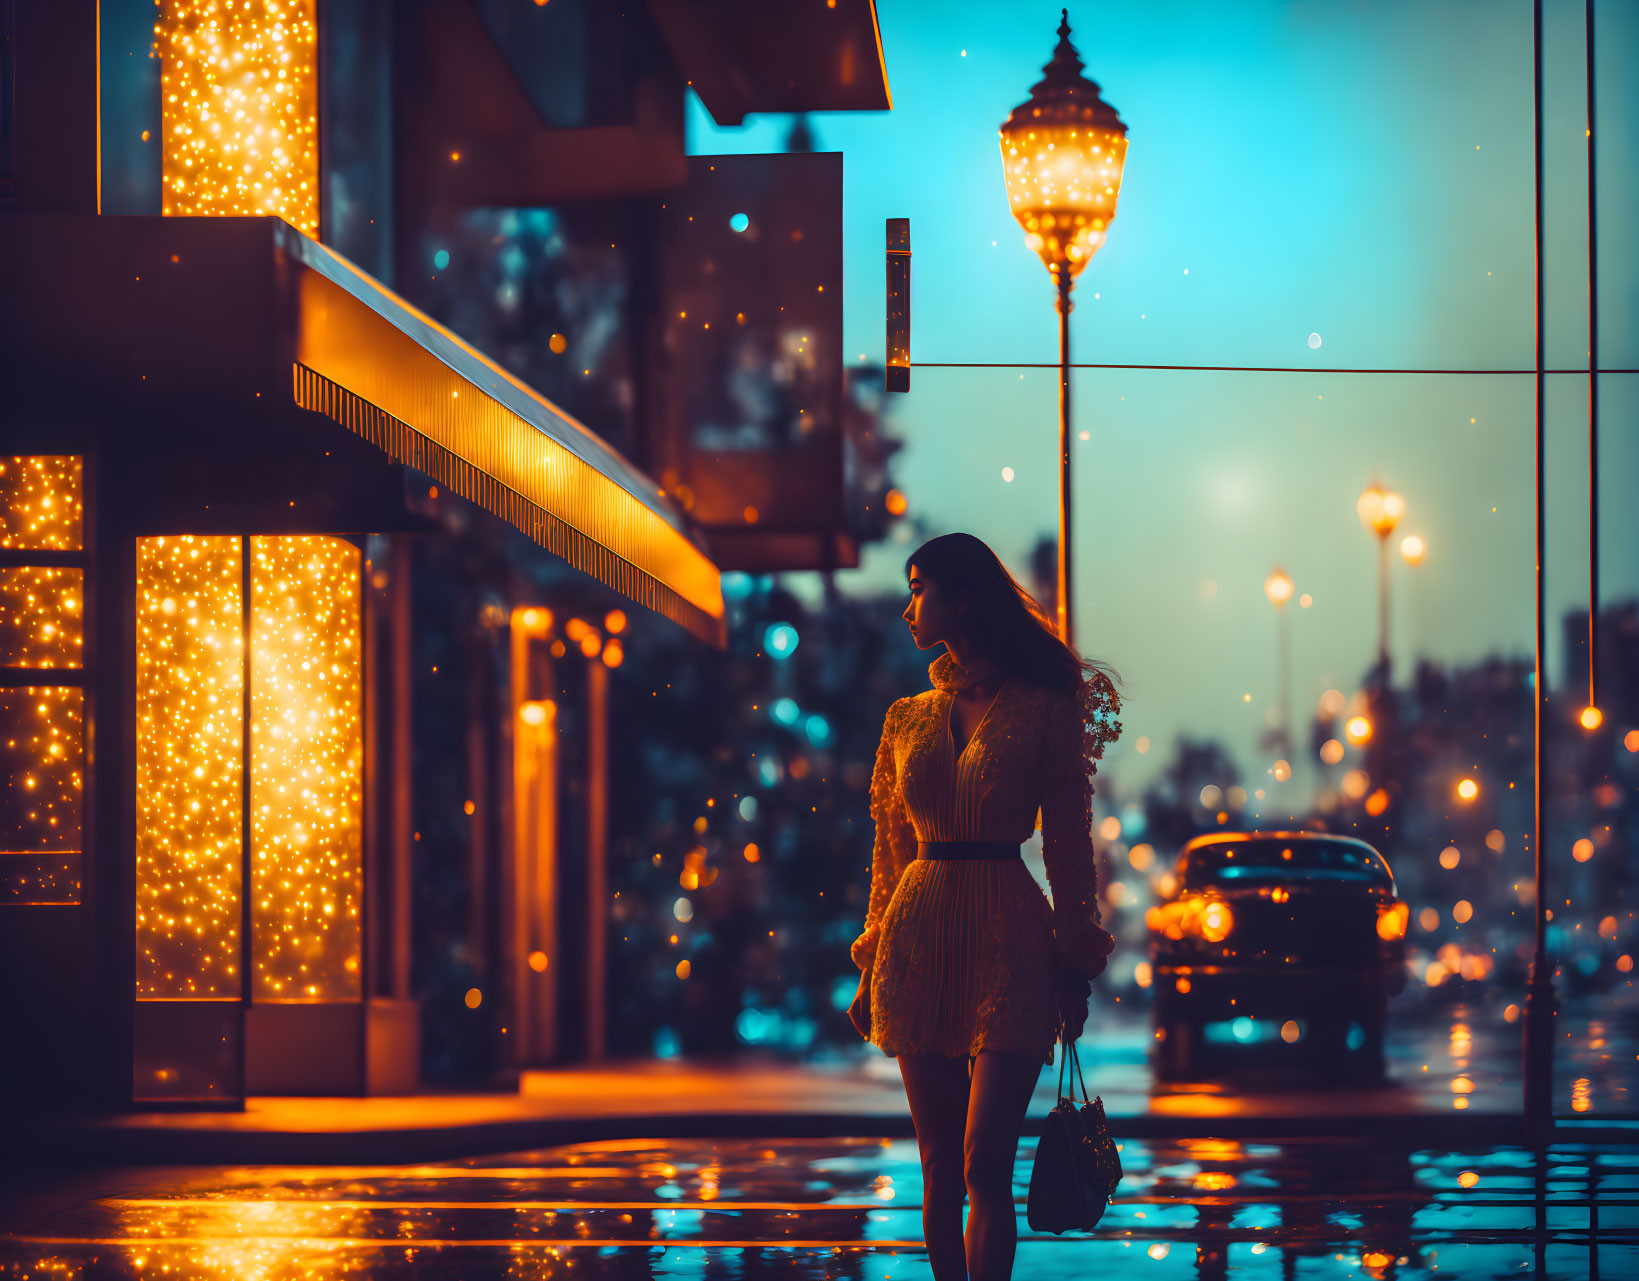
{"points": [[1005, 623]]}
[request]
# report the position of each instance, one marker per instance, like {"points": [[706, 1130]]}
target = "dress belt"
{"points": [[967, 849]]}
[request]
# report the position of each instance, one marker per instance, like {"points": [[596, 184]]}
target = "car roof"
{"points": [[1208, 839], [1254, 834]]}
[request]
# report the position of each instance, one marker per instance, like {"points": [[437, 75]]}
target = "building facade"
{"points": [[229, 416]]}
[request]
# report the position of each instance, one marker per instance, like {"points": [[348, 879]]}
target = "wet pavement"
{"points": [[1453, 1080], [1392, 1194], [838, 1208], [1456, 1059]]}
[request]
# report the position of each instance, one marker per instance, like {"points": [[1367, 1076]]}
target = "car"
{"points": [[1289, 940]]}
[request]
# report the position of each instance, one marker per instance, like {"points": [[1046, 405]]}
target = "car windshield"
{"points": [[1274, 859]]}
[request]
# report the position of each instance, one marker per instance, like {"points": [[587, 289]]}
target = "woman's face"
{"points": [[933, 615]]}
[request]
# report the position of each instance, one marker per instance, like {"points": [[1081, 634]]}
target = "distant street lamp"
{"points": [[1414, 551], [1062, 153], [1279, 587], [1380, 511]]}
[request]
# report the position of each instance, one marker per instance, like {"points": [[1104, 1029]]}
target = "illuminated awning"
{"points": [[184, 321], [375, 364]]}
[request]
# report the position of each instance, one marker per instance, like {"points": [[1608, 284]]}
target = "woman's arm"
{"points": [[890, 850], [1079, 728]]}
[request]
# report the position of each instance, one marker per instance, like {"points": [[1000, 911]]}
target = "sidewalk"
{"points": [[1448, 1088]]}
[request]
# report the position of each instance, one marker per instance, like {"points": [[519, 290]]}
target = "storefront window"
{"points": [[306, 782], [190, 766], [42, 702], [239, 91], [302, 818], [306, 767]]}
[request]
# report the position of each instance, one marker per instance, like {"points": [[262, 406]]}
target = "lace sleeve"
{"points": [[1078, 731], [893, 836]]}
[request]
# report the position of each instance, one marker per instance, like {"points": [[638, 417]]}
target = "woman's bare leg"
{"points": [[937, 1087], [1003, 1081]]}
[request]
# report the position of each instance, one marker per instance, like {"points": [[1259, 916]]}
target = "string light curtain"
{"points": [[238, 85], [42, 725], [307, 769], [190, 767], [305, 777], [41, 503]]}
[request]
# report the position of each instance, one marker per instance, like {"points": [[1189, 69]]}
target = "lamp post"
{"points": [[1063, 150], [1278, 587], [1537, 1035], [1380, 511]]}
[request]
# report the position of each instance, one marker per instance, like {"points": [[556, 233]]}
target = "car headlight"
{"points": [[1216, 922]]}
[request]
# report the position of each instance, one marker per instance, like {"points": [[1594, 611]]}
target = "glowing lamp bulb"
{"points": [[1591, 717], [1380, 509], [1413, 550], [1063, 150], [1359, 729], [1468, 789], [1278, 587]]}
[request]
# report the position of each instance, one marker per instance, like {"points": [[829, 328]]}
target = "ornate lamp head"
{"points": [[1062, 152], [1379, 509]]}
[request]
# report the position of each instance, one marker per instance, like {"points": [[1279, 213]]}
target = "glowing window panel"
{"points": [[42, 754], [240, 98], [190, 766], [41, 616], [40, 502], [307, 763]]}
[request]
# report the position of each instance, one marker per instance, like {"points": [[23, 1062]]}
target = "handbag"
{"points": [[1076, 1167]]}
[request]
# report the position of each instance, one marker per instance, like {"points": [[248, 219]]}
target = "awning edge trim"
{"points": [[403, 443]]}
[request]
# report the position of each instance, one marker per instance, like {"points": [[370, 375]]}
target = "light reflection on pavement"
{"points": [[840, 1208], [1463, 1058]]}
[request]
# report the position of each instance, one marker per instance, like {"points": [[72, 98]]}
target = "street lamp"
{"points": [[1279, 587], [1062, 154], [1380, 510]]}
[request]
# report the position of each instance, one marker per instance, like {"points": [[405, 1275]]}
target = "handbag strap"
{"points": [[1067, 1057]]}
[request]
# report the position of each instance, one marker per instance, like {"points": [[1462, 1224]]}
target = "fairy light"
{"points": [[42, 728], [40, 503], [307, 763], [190, 755], [40, 616], [306, 767], [239, 89], [41, 787]]}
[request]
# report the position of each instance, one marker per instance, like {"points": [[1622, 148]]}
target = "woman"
{"points": [[967, 975]]}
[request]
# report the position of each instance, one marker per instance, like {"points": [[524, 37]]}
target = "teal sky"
{"points": [[1357, 169]]}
